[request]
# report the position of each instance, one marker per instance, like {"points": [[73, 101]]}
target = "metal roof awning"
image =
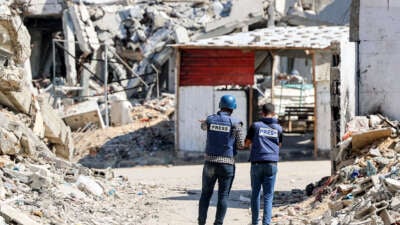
{"points": [[300, 37]]}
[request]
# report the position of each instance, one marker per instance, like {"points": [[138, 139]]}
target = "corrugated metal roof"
{"points": [[277, 37]]}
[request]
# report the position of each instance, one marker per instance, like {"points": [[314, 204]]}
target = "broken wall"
{"points": [[379, 55]]}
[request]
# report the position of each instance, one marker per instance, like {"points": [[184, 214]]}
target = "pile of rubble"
{"points": [[147, 139], [365, 188], [36, 187]]}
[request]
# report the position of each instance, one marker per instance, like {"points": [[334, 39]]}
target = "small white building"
{"points": [[203, 66]]}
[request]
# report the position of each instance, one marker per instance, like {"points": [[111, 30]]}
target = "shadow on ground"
{"points": [[241, 198], [147, 146], [154, 145]]}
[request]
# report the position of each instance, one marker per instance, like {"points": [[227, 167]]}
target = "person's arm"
{"points": [[249, 137], [247, 143], [239, 135], [203, 124]]}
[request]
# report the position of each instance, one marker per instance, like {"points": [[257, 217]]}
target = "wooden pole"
{"points": [[315, 106]]}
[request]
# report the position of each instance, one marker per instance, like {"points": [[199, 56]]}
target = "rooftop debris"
{"points": [[365, 187]]}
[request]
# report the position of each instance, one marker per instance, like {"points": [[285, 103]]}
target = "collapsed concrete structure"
{"points": [[17, 92]]}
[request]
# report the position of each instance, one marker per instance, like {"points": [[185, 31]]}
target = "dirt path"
{"points": [[179, 189]]}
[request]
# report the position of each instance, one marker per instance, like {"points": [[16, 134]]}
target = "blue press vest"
{"points": [[220, 136], [265, 142]]}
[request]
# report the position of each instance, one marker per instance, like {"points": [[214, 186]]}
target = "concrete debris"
{"points": [[364, 191], [84, 29], [121, 113], [150, 133], [15, 37], [79, 115], [37, 190]]}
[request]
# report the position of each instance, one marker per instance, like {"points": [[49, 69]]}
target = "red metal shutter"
{"points": [[216, 67]]}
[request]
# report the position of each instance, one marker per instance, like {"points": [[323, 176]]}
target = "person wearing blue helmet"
{"points": [[224, 137]]}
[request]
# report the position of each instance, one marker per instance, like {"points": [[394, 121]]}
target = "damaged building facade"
{"points": [[375, 27]]}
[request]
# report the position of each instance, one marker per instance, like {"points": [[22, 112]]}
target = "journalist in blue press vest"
{"points": [[224, 137], [265, 138]]}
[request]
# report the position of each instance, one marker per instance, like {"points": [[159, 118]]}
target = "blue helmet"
{"points": [[295, 72], [228, 102]]}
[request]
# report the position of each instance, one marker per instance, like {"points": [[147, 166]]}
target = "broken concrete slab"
{"points": [[42, 7], [16, 35], [363, 139], [84, 29], [111, 22], [79, 115], [14, 215], [242, 12], [56, 131], [20, 101]]}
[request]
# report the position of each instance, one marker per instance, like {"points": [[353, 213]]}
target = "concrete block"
{"points": [[68, 190], [77, 116], [38, 182], [9, 143], [121, 113], [66, 150], [51, 121], [15, 215], [19, 101], [136, 12], [89, 185], [38, 125], [181, 35], [56, 131]]}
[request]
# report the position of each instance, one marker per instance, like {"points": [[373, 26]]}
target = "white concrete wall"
{"points": [[379, 55], [196, 103], [348, 83], [323, 100]]}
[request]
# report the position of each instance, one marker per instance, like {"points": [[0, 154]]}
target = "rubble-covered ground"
{"points": [[365, 188], [148, 140]]}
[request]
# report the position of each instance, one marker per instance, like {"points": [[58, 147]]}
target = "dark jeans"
{"points": [[212, 172], [262, 174]]}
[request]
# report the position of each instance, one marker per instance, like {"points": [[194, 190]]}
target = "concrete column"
{"points": [[69, 45], [322, 67], [172, 73]]}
